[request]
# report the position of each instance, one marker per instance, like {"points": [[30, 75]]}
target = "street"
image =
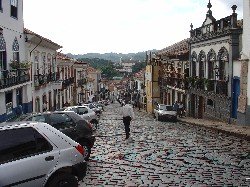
{"points": [[164, 154]]}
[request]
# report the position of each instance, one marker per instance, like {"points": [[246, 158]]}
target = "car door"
{"points": [[63, 123], [26, 157]]}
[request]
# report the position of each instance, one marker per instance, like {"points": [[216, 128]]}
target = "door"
{"points": [[201, 107], [24, 157], [236, 93]]}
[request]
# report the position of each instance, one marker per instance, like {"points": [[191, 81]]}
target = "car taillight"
{"points": [[89, 125], [80, 149]]}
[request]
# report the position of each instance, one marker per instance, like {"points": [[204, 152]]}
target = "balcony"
{"points": [[67, 82], [40, 80], [11, 78], [81, 82]]}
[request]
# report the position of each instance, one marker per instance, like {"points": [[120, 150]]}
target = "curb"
{"points": [[238, 135]]}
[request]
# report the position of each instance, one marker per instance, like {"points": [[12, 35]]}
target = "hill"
{"points": [[113, 57]]}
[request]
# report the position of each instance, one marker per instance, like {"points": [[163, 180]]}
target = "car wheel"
{"points": [[87, 151], [63, 180]]}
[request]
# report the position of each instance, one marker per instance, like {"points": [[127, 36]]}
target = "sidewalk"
{"points": [[232, 129]]}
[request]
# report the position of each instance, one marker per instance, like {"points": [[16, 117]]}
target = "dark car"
{"points": [[69, 123]]}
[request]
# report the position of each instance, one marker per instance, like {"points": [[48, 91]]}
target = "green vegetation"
{"points": [[107, 67], [138, 66]]}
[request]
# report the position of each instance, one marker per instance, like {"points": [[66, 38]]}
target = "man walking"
{"points": [[128, 115]]}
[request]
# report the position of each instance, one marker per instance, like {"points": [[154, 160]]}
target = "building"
{"points": [[152, 90], [213, 85], [174, 61], [243, 113], [15, 74], [80, 74], [65, 69], [95, 75], [41, 52]]}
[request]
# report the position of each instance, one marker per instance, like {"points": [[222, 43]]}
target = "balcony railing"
{"points": [[81, 82], [40, 80], [11, 78], [68, 82]]}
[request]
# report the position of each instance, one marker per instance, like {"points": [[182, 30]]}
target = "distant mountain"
{"points": [[113, 57]]}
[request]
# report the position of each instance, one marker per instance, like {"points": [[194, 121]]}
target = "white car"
{"points": [[93, 107], [86, 113], [165, 112], [37, 154]]}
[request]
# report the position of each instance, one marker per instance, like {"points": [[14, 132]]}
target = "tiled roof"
{"points": [[27, 31], [175, 49]]}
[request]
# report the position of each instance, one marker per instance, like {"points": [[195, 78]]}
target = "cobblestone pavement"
{"points": [[165, 154]]}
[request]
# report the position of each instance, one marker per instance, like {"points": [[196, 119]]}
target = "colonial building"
{"points": [[80, 74], [213, 87], [152, 90], [96, 76], [243, 115], [15, 77], [173, 72], [65, 69], [42, 53]]}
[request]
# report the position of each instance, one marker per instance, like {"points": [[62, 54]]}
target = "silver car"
{"points": [[86, 113], [36, 154], [165, 112]]}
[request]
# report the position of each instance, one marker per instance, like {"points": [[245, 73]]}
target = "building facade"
{"points": [[243, 115], [213, 87], [41, 52], [174, 70], [15, 82]]}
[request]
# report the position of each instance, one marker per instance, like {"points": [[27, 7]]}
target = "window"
{"points": [[19, 143], [82, 110], [1, 8], [210, 102], [38, 118], [13, 8], [61, 121]]}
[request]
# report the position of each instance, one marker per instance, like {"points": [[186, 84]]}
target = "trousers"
{"points": [[126, 122]]}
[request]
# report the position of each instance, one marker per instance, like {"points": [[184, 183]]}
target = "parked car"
{"points": [[165, 112], [85, 112], [99, 105], [94, 108], [36, 154], [69, 123]]}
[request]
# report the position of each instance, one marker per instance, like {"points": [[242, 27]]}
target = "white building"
{"points": [[42, 53], [243, 115], [15, 84]]}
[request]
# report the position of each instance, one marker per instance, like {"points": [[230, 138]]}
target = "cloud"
{"points": [[82, 26]]}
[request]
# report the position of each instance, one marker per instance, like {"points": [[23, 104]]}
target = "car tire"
{"points": [[64, 180], [87, 151]]}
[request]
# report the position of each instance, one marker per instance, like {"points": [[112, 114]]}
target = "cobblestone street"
{"points": [[164, 154]]}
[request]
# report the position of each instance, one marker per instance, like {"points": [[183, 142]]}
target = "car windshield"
{"points": [[166, 107]]}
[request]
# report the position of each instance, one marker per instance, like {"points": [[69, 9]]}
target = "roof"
{"points": [[175, 49], [27, 31]]}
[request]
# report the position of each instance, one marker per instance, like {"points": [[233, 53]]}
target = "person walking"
{"points": [[181, 108], [128, 115], [176, 106]]}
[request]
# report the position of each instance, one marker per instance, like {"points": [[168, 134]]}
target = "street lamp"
{"points": [[216, 70]]}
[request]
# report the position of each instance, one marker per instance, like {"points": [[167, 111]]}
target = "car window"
{"points": [[39, 118], [169, 108], [82, 110], [19, 143], [61, 121], [73, 109]]}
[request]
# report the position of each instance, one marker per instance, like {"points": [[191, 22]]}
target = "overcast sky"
{"points": [[121, 26]]}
